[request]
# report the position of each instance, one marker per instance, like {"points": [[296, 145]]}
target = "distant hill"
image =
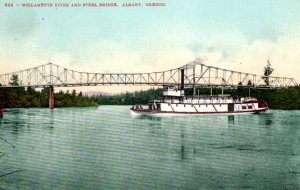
{"points": [[95, 93]]}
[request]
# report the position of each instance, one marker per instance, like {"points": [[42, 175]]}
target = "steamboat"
{"points": [[175, 102]]}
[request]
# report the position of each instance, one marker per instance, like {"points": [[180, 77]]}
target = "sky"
{"points": [[233, 34]]}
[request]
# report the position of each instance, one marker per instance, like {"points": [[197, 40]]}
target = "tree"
{"points": [[31, 90], [268, 70], [73, 93], [14, 80]]}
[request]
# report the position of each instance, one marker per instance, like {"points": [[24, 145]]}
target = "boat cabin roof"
{"points": [[166, 88], [203, 96]]}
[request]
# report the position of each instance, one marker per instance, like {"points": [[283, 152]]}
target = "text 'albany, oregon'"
{"points": [[124, 4]]}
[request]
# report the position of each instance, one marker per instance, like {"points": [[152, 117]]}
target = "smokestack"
{"points": [[182, 80]]}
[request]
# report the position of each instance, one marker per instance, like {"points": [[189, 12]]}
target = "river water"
{"points": [[106, 148]]}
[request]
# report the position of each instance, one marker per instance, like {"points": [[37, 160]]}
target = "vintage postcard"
{"points": [[149, 94]]}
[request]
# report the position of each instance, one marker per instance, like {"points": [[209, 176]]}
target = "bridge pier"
{"points": [[51, 97]]}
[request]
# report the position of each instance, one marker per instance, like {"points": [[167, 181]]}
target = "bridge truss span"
{"points": [[195, 74]]}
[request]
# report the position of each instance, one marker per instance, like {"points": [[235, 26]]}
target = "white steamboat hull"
{"points": [[136, 112]]}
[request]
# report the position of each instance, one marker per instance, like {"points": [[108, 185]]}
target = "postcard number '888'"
{"points": [[9, 4]]}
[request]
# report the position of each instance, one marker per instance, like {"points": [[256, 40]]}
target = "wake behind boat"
{"points": [[175, 102]]}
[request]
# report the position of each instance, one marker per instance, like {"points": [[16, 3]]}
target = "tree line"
{"points": [[17, 97], [129, 98]]}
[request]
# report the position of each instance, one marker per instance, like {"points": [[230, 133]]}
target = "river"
{"points": [[106, 148]]}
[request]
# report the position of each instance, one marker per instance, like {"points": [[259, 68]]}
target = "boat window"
{"points": [[249, 106], [244, 107]]}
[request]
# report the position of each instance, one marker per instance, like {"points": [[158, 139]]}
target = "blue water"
{"points": [[106, 148]]}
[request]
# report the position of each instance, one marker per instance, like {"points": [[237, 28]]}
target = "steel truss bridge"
{"points": [[195, 74]]}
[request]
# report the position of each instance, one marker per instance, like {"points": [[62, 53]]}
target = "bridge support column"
{"points": [[51, 97]]}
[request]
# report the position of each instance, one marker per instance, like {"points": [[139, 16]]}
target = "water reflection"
{"points": [[231, 119], [166, 128], [147, 117], [150, 120], [15, 120], [266, 119], [19, 120], [50, 123]]}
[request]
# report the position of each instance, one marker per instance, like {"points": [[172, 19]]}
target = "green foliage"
{"points": [[17, 97], [72, 100], [139, 97], [14, 80], [14, 98]]}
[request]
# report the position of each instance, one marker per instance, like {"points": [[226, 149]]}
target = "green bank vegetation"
{"points": [[18, 97], [129, 98]]}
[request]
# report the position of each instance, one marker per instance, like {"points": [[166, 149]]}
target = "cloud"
{"points": [[283, 54], [229, 50]]}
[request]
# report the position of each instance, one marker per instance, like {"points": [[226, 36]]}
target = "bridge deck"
{"points": [[195, 74]]}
